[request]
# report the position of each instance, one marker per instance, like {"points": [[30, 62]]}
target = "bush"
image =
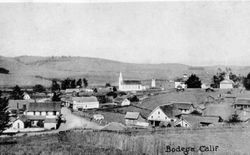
{"points": [[4, 71]]}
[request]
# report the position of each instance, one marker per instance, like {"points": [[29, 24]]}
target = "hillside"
{"points": [[31, 70]]}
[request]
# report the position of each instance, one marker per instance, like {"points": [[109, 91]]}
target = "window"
{"points": [[158, 112]]}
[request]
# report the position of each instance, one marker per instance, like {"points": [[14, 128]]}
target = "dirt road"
{"points": [[73, 121]]}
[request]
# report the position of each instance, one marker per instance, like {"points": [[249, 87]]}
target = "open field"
{"points": [[234, 140]]}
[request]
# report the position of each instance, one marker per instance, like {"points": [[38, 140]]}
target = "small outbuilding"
{"points": [[135, 119], [226, 83], [50, 123]]}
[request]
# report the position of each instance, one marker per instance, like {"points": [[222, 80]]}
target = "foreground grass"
{"points": [[232, 140]]}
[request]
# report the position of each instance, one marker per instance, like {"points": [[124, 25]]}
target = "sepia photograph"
{"points": [[124, 77]]}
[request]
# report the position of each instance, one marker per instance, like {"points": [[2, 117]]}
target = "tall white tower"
{"points": [[120, 81], [153, 83]]}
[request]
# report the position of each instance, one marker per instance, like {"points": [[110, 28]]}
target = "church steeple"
{"points": [[120, 78], [120, 81]]}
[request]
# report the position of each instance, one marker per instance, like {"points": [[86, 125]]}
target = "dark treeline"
{"points": [[73, 83]]}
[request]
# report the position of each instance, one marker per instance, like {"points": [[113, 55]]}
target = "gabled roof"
{"points": [[182, 105], [15, 104], [170, 110], [119, 99], [242, 101], [131, 82], [223, 110], [33, 117], [226, 81], [50, 120], [132, 115], [47, 106], [195, 120], [85, 99]]}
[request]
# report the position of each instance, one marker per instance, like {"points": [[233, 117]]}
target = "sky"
{"points": [[194, 33]]}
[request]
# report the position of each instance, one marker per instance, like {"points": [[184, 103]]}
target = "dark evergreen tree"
{"points": [[55, 86], [39, 88], [114, 89], [246, 82], [73, 84], [17, 93], [79, 83], [67, 83], [193, 82], [85, 82], [95, 90], [4, 115], [107, 85], [56, 97]]}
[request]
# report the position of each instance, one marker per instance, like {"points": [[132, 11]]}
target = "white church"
{"points": [[130, 85]]}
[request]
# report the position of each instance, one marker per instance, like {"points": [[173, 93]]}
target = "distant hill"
{"points": [[31, 70]]}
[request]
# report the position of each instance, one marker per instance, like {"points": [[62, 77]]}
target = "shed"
{"points": [[50, 123]]}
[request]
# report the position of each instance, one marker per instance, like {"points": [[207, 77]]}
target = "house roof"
{"points": [[170, 110], [85, 99], [182, 105], [47, 106], [131, 82], [50, 120], [32, 117], [15, 104], [242, 101], [119, 99], [195, 120], [226, 81], [223, 110], [132, 115]]}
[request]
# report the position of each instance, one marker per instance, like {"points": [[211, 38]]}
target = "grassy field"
{"points": [[230, 141]]}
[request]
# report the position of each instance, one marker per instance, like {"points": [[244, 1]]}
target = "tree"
{"points": [[235, 118], [246, 82], [73, 84], [95, 90], [107, 85], [39, 88], [4, 71], [79, 83], [4, 115], [193, 82], [220, 76], [85, 82], [55, 86], [17, 93], [56, 97], [114, 89], [66, 84]]}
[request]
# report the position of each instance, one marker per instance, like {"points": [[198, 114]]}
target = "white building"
{"points": [[26, 96], [130, 85], [17, 124], [47, 109], [39, 112], [50, 123], [81, 103], [163, 113], [153, 85], [122, 101], [226, 83]]}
